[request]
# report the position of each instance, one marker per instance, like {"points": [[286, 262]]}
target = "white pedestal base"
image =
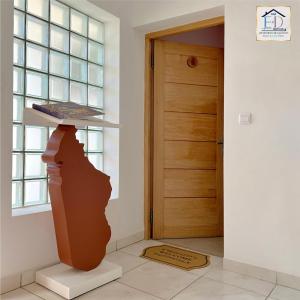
{"points": [[70, 283]]}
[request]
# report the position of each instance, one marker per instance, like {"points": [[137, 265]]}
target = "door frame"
{"points": [[149, 105]]}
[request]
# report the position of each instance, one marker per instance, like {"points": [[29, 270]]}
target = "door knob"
{"points": [[192, 61]]}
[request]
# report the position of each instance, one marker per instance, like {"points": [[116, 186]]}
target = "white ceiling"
{"points": [[141, 12]]}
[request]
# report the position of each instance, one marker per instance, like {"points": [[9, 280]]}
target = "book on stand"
{"points": [[68, 113]]}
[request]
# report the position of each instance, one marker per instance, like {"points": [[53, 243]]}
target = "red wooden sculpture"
{"points": [[79, 194]]}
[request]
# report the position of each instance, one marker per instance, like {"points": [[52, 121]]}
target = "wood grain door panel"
{"points": [[190, 155], [189, 127], [187, 161], [189, 183], [176, 70], [196, 212], [190, 98]]}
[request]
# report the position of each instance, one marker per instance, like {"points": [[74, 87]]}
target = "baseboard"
{"points": [[254, 271], [287, 280], [134, 238], [10, 283], [27, 277]]}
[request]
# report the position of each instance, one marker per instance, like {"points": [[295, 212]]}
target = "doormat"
{"points": [[177, 257]]}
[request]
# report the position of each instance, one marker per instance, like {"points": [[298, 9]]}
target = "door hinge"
{"points": [[151, 216]]}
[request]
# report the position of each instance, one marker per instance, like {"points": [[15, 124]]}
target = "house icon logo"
{"points": [[273, 20], [273, 23]]}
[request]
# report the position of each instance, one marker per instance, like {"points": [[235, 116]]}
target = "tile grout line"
{"points": [[33, 293], [256, 293], [269, 295], [198, 278], [147, 293]]}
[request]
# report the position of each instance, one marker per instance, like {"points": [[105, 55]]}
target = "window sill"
{"points": [[16, 212]]}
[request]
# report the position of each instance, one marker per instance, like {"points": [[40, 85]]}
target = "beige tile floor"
{"points": [[147, 280]]}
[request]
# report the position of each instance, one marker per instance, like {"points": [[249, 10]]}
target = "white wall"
{"points": [[262, 165], [262, 204], [262, 161]]}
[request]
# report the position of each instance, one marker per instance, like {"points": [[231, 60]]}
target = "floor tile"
{"points": [[212, 246], [116, 291], [137, 248], [126, 261], [157, 279], [214, 261], [207, 289], [42, 292], [19, 294], [242, 281], [285, 293]]}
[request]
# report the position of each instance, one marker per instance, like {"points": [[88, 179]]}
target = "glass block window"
{"points": [[58, 57]]}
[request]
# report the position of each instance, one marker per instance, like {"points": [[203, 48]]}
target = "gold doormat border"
{"points": [[207, 257]]}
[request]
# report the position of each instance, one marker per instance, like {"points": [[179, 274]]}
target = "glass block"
{"points": [[18, 52], [35, 192], [78, 69], [36, 57], [96, 30], [39, 8], [95, 141], [36, 84], [35, 138], [30, 101], [78, 93], [18, 104], [51, 130], [82, 138], [59, 39], [17, 166], [78, 22], [95, 74], [59, 14], [37, 30], [19, 23], [95, 96], [78, 46], [59, 64], [18, 86], [34, 166], [96, 53], [20, 4], [97, 160], [17, 191], [58, 89], [17, 137]]}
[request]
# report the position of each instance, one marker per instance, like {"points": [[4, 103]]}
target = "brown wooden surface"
{"points": [[197, 212], [190, 98], [189, 127], [148, 141], [149, 112], [189, 155], [188, 101], [189, 183], [79, 194], [187, 27]]}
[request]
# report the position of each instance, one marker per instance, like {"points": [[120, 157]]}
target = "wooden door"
{"points": [[187, 141]]}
